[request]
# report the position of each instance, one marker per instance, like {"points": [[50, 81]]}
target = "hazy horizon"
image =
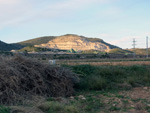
{"points": [[115, 21]]}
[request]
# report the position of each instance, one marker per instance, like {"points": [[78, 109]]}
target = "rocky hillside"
{"points": [[69, 41]]}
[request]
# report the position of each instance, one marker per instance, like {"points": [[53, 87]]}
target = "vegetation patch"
{"points": [[4, 109], [111, 77], [22, 78], [34, 49]]}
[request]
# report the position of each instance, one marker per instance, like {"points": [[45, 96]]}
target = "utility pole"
{"points": [[134, 47], [147, 46]]}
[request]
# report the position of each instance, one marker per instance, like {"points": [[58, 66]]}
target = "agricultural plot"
{"points": [[74, 88], [101, 62]]}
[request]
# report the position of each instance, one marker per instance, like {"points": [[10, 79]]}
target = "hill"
{"points": [[8, 47], [70, 41], [140, 51], [37, 41], [65, 42], [120, 51]]}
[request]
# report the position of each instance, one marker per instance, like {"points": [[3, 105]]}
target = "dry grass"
{"points": [[121, 63], [21, 78]]}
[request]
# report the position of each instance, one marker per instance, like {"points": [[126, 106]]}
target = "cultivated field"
{"points": [[100, 62]]}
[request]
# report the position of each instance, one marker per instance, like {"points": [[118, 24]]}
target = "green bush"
{"points": [[58, 107], [96, 82], [109, 77], [4, 109], [84, 69]]}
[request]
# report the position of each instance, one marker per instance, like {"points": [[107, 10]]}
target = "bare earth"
{"points": [[122, 63], [136, 100]]}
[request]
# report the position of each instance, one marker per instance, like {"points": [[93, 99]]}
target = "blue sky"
{"points": [[114, 21]]}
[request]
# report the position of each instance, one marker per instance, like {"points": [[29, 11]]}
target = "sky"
{"points": [[115, 21]]}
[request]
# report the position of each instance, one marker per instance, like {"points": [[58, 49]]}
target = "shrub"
{"points": [[83, 69], [111, 77], [58, 107], [4, 109]]}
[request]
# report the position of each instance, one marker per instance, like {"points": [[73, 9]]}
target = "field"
{"points": [[112, 101], [100, 62], [104, 86]]}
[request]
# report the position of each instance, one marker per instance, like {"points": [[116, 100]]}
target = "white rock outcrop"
{"points": [[75, 42]]}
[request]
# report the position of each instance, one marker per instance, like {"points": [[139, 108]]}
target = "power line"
{"points": [[147, 46], [134, 44]]}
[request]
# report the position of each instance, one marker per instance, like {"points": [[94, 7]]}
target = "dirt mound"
{"points": [[22, 78]]}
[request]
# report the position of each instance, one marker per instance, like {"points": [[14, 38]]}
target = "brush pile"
{"points": [[22, 78]]}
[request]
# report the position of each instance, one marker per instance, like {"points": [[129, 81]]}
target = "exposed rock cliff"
{"points": [[76, 42]]}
